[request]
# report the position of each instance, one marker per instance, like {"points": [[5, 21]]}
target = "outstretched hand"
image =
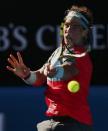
{"points": [[17, 66]]}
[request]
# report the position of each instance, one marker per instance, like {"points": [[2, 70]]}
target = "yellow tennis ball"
{"points": [[73, 86]]}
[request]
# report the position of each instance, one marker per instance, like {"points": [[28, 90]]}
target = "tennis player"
{"points": [[66, 111]]}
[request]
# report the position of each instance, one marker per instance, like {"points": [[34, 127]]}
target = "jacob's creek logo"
{"points": [[17, 37]]}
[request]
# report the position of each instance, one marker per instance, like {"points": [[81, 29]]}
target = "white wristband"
{"points": [[31, 80]]}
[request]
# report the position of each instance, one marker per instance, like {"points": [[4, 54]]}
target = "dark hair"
{"points": [[84, 11]]}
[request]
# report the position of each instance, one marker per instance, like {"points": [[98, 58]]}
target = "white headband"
{"points": [[83, 20]]}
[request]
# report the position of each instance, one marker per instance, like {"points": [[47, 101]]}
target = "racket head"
{"points": [[56, 55]]}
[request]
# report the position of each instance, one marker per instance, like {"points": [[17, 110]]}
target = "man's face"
{"points": [[73, 31]]}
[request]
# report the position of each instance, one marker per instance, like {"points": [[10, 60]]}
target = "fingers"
{"points": [[17, 66], [14, 62], [20, 58], [10, 69], [14, 59], [47, 66], [11, 62]]}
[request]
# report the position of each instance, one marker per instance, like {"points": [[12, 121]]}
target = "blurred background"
{"points": [[32, 27]]}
